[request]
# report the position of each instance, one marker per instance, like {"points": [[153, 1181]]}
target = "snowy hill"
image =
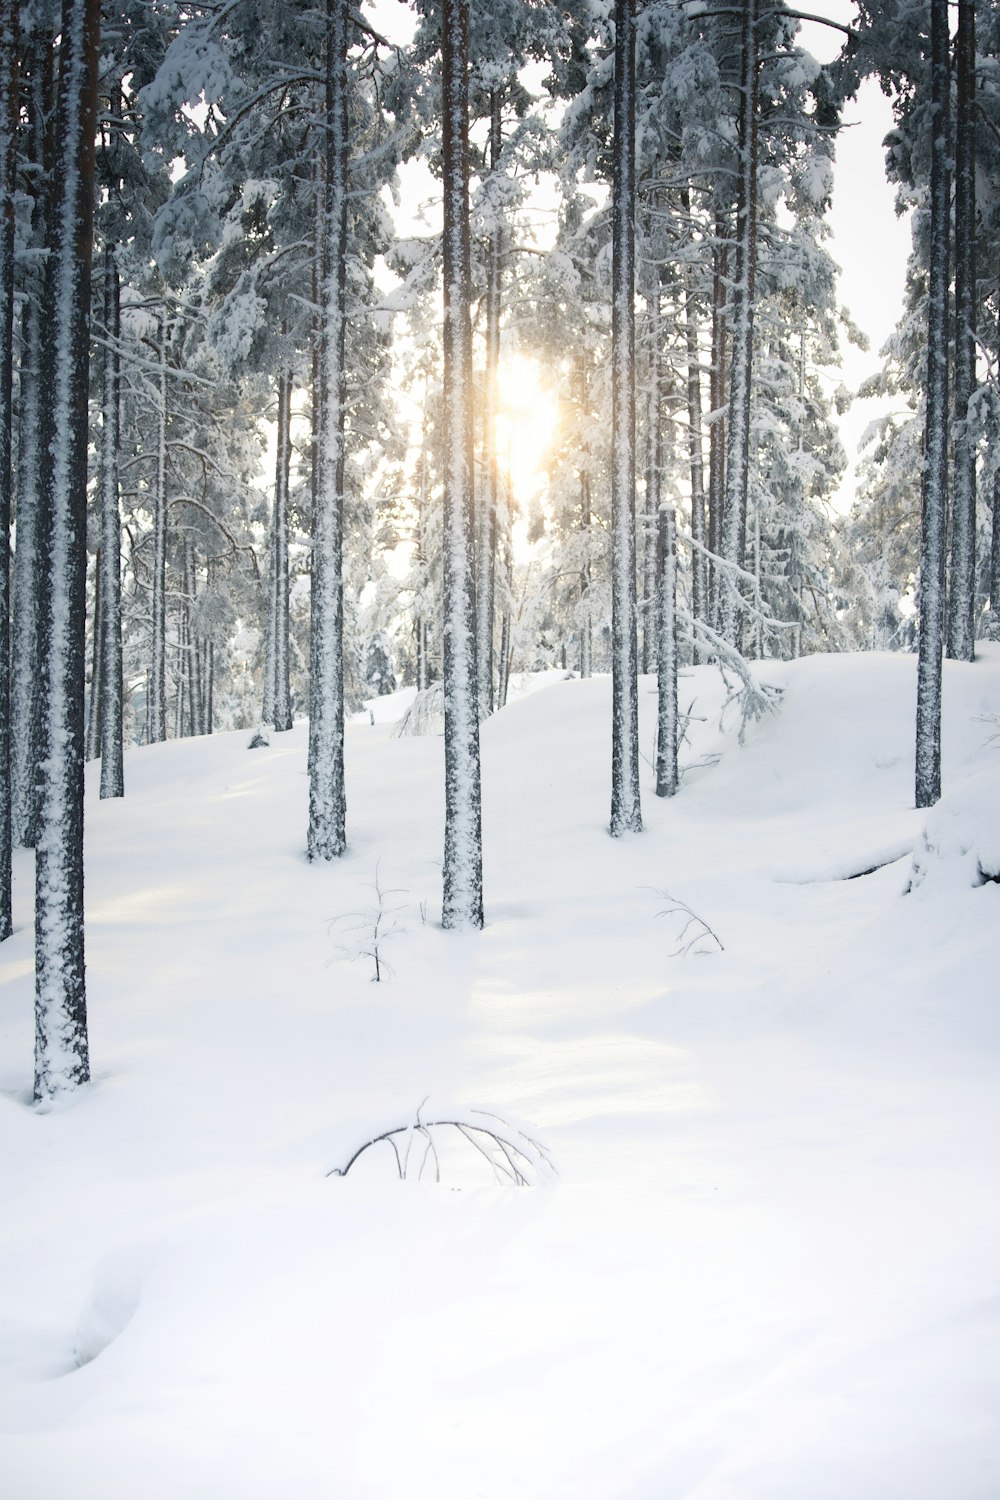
{"points": [[768, 1266]]}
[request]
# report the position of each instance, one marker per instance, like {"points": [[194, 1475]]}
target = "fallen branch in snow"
{"points": [[515, 1157], [694, 929]]}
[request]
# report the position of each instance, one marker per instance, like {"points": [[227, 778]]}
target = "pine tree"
{"points": [[463, 879], [8, 135], [61, 1045], [935, 484], [327, 835], [626, 810]]}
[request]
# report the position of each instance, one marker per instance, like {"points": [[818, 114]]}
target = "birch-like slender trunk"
{"points": [[61, 1044], [327, 836], [462, 905], [935, 482], [112, 701], [8, 131], [626, 809], [734, 516], [962, 593]]}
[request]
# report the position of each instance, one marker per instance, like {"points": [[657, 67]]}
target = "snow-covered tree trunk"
{"points": [[463, 878], [626, 809], [93, 739], [112, 699], [487, 531], [37, 88], [8, 130], [281, 705], [190, 673], [734, 516], [699, 583], [61, 1044], [327, 837], [666, 604], [962, 593], [718, 382], [935, 478], [420, 560], [158, 644], [651, 508]]}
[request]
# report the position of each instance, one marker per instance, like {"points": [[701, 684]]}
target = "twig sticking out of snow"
{"points": [[515, 1158], [694, 929]]}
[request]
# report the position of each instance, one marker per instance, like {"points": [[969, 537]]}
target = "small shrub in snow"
{"points": [[694, 934], [515, 1157], [373, 926]]}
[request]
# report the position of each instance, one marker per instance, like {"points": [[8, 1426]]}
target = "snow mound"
{"points": [[961, 841]]}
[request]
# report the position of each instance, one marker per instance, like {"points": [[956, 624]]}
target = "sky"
{"points": [[869, 243]]}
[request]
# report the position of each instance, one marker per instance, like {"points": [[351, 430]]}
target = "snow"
{"points": [[768, 1267]]}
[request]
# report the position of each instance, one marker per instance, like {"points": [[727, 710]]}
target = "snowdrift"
{"points": [[765, 1263]]}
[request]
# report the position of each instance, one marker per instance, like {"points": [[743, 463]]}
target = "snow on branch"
{"points": [[515, 1157]]}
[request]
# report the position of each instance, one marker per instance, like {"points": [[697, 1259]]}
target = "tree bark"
{"points": [[626, 809], [158, 644], [281, 705], [112, 689], [463, 878], [61, 1044], [962, 594], [486, 540], [666, 603], [37, 90], [327, 837], [935, 479], [734, 518], [8, 131], [717, 398]]}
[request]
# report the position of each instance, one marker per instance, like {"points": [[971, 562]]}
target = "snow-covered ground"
{"points": [[769, 1265]]}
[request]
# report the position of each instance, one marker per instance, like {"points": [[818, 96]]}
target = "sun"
{"points": [[526, 424]]}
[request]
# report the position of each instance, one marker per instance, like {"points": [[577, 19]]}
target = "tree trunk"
{"points": [[463, 875], [93, 740], [666, 602], [699, 590], [586, 624], [651, 509], [327, 838], [626, 810], [36, 98], [935, 481], [486, 540], [8, 131], [962, 595], [61, 1044], [718, 383], [158, 645], [734, 517], [281, 706], [112, 689]]}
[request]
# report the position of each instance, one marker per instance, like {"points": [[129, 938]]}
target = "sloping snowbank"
{"points": [[768, 1268]]}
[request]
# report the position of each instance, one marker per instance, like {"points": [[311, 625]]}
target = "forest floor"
{"points": [[766, 1263]]}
